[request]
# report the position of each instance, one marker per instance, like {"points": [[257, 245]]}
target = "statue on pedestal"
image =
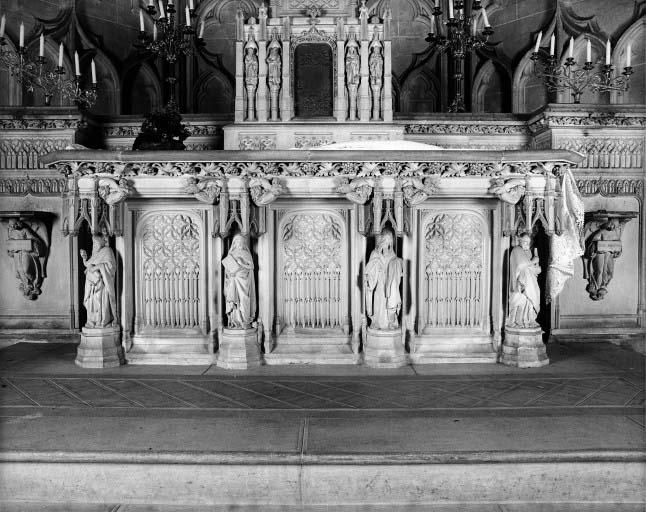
{"points": [[353, 75], [524, 292], [239, 286], [28, 250], [100, 298], [384, 272], [602, 247], [251, 76], [376, 66], [274, 75]]}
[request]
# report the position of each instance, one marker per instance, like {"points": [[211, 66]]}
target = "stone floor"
{"points": [[586, 407]]}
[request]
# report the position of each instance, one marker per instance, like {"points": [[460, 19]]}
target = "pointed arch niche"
{"points": [[37, 97], [109, 90], [420, 93], [636, 36], [10, 90], [142, 91], [491, 89], [213, 93], [528, 92]]}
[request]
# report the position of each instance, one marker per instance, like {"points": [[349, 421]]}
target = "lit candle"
{"points": [[188, 17], [142, 28], [41, 49], [191, 6], [588, 51], [538, 41], [571, 50], [201, 34], [629, 50], [60, 55], [3, 22], [608, 52], [151, 3], [485, 18], [77, 66], [22, 35], [93, 72], [451, 16], [432, 24], [162, 14], [552, 45], [154, 31]]}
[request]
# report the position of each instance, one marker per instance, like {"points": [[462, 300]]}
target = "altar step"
{"points": [[311, 348]]}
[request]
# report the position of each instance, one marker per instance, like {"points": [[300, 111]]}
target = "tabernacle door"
{"points": [[311, 286], [313, 80]]}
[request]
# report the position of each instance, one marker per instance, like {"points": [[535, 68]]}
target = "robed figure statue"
{"points": [[524, 292], [601, 249], [239, 287], [100, 299], [384, 272]]}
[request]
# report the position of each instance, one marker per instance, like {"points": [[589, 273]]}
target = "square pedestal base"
{"points": [[524, 348], [100, 348], [384, 349], [239, 349]]}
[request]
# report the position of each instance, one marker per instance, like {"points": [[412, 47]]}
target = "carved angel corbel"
{"points": [[509, 190], [263, 191], [358, 190], [205, 190], [417, 190], [114, 191]]}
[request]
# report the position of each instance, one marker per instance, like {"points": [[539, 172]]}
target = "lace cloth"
{"points": [[567, 246]]}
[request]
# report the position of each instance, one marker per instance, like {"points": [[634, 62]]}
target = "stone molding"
{"points": [[32, 186], [453, 128], [611, 187], [25, 153], [132, 130], [38, 124], [606, 152], [601, 116]]}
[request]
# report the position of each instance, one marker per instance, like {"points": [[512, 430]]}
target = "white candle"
{"points": [[191, 6], [154, 31], [162, 14], [588, 51], [60, 55], [451, 16], [571, 50], [188, 17], [201, 34], [141, 20], [151, 3], [171, 2], [22, 35], [629, 50], [3, 22], [432, 24], [608, 52], [77, 66], [485, 18], [552, 45], [538, 42], [93, 72], [41, 49]]}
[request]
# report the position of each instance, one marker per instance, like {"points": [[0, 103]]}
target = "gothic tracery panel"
{"points": [[311, 278], [169, 271], [453, 265]]}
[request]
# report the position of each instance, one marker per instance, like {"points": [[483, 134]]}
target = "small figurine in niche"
{"points": [[28, 249], [384, 272], [100, 299], [524, 292], [239, 286], [602, 247]]}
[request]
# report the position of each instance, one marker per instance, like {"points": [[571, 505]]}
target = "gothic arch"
{"points": [[420, 92], [109, 89], [10, 89], [483, 86], [37, 98], [528, 92], [141, 90], [635, 35], [212, 9], [213, 93]]}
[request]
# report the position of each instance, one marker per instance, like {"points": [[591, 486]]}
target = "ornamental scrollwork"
{"points": [[466, 129], [611, 187], [205, 190], [32, 186]]}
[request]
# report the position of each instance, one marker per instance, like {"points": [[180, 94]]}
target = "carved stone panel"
{"points": [[453, 271], [311, 274], [169, 270], [313, 86]]}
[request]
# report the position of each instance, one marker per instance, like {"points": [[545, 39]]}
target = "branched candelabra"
{"points": [[570, 77], [459, 38], [35, 74]]}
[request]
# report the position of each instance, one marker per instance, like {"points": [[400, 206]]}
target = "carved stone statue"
{"points": [[263, 191], [251, 76], [274, 75], [352, 75], [417, 191], [358, 190], [100, 298], [206, 190], [602, 247], [113, 191], [28, 250], [384, 272], [510, 190], [524, 293], [376, 66], [239, 287]]}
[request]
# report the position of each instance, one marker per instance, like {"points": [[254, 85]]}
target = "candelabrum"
{"points": [[34, 74], [459, 38], [570, 77]]}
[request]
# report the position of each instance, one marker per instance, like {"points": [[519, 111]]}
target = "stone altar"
{"points": [[311, 219]]}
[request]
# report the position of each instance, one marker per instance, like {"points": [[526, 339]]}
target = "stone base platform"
{"points": [[295, 348], [100, 348], [384, 349], [239, 349], [171, 350], [449, 348], [524, 348]]}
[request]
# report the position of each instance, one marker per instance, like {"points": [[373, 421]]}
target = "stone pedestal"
{"points": [[524, 348], [100, 348], [384, 349], [239, 349]]}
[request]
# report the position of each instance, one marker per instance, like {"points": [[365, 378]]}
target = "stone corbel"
{"points": [[28, 243], [205, 190], [357, 190], [602, 234], [417, 190]]}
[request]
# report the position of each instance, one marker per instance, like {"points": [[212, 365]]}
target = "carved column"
{"points": [[364, 87], [387, 107], [341, 104], [262, 82], [287, 103], [239, 101]]}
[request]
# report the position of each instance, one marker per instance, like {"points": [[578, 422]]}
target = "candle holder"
{"points": [[569, 77], [460, 39]]}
